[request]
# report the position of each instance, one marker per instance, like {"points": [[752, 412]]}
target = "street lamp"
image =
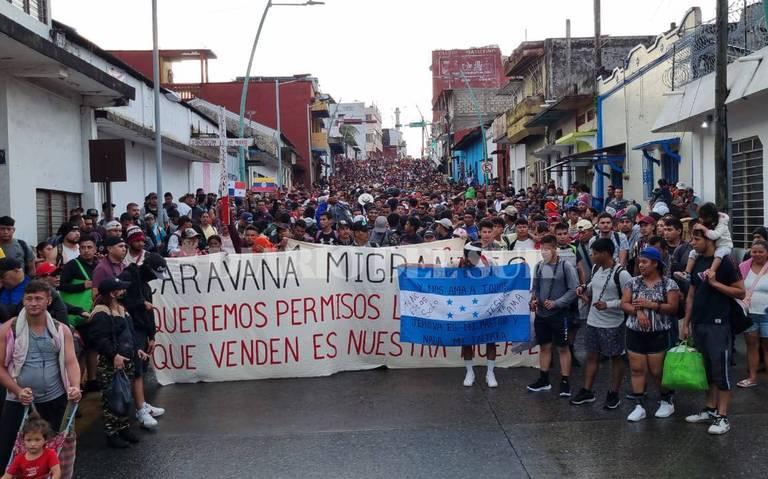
{"points": [[244, 95]]}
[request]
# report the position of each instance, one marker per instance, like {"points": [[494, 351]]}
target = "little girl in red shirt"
{"points": [[38, 462]]}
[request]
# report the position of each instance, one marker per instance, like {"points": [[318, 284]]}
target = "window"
{"points": [[590, 115], [34, 8], [53, 210], [670, 169], [580, 120], [369, 117], [748, 189]]}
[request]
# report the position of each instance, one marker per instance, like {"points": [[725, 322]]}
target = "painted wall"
{"points": [[44, 149], [632, 99]]}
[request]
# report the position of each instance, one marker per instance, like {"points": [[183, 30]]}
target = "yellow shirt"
{"points": [[2, 253]]}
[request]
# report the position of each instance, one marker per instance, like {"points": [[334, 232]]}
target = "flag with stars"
{"points": [[465, 306]]}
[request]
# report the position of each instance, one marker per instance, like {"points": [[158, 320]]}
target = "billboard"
{"points": [[482, 67]]}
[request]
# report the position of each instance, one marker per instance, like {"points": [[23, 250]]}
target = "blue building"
{"points": [[467, 157]]}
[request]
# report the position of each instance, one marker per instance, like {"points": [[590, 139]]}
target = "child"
{"points": [[38, 462], [715, 227]]}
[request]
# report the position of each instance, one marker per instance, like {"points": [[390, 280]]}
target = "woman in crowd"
{"points": [[650, 301], [112, 336], [755, 274]]}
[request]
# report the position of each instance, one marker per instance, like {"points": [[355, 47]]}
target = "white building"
{"points": [[57, 95], [367, 123], [628, 104], [691, 112]]}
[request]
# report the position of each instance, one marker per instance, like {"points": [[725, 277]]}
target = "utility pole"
{"points": [[598, 45], [158, 130], [722, 179]]}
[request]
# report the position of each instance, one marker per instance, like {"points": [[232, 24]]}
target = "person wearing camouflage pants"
{"points": [[105, 371]]}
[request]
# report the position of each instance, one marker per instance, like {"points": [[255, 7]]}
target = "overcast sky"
{"points": [[360, 50]]}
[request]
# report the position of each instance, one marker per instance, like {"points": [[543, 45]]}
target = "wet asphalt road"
{"points": [[421, 423]]}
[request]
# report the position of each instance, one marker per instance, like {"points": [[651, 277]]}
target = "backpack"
{"points": [[616, 279]]}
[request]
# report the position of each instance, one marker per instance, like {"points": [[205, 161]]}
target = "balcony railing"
{"points": [[320, 141], [694, 55], [187, 91], [34, 8]]}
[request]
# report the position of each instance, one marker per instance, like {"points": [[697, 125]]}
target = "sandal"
{"points": [[746, 383]]}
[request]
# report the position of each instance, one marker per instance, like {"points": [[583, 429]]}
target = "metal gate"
{"points": [[747, 202]]}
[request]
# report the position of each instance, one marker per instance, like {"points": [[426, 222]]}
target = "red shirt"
{"points": [[38, 468]]}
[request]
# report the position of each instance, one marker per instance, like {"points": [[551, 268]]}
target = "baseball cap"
{"points": [[359, 226], [380, 225], [473, 246], [460, 233], [92, 212], [189, 233], [429, 234], [584, 224], [652, 254], [112, 241], [446, 223], [46, 269], [9, 264], [106, 205], [343, 224], [682, 185], [156, 264], [247, 217], [360, 219], [282, 226], [509, 211], [112, 284]]}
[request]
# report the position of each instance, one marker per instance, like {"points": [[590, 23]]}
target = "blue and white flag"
{"points": [[465, 306]]}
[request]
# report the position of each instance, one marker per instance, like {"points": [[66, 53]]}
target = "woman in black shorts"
{"points": [[650, 302]]}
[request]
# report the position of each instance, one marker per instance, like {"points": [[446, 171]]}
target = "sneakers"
{"points": [[145, 419], [612, 400], [542, 384], [582, 397], [116, 442], [705, 415], [665, 409], [154, 411], [129, 436], [637, 414], [469, 379], [565, 389], [719, 426], [490, 379]]}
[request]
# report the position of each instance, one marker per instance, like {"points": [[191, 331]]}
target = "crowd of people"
{"points": [[632, 278]]}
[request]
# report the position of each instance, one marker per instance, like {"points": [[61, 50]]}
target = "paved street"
{"points": [[420, 423]]}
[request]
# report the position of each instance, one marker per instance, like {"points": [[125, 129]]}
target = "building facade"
{"points": [[58, 92]]}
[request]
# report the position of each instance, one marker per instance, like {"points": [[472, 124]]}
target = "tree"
{"points": [[348, 134]]}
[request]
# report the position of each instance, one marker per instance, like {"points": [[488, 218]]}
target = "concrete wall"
{"points": [[43, 139], [464, 114]]}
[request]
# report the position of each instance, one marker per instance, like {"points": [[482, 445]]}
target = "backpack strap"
{"points": [[617, 280], [25, 249]]}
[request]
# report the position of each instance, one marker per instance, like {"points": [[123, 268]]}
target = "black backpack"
{"points": [[616, 278]]}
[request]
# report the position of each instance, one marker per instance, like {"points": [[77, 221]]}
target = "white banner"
{"points": [[313, 311]]}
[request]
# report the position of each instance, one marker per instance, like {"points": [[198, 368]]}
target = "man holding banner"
{"points": [[473, 258], [553, 290]]}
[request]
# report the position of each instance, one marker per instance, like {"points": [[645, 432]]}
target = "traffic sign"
{"points": [[216, 142], [417, 124], [488, 167]]}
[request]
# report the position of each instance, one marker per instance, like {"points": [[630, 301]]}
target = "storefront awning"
{"points": [[612, 155], [582, 140], [665, 145]]}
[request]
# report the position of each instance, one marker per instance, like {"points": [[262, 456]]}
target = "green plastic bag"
{"points": [[684, 369]]}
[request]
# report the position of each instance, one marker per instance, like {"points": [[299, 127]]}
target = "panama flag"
{"points": [[237, 189], [465, 306]]}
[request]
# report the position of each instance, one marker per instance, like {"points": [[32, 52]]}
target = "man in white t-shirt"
{"points": [[69, 248], [521, 240]]}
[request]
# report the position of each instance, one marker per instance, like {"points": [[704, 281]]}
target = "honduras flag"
{"points": [[465, 306]]}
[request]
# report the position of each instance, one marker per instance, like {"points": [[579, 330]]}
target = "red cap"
{"points": [[45, 269]]}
